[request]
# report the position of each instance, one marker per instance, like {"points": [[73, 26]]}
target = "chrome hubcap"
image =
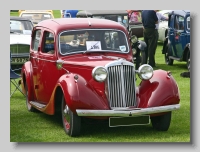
{"points": [[66, 117]]}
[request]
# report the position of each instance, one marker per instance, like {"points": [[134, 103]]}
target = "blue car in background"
{"points": [[177, 43]]}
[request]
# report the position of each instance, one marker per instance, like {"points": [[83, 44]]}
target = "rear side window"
{"points": [[36, 40], [188, 23], [48, 43]]}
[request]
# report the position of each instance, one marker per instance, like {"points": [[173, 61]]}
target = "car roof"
{"points": [[35, 12], [180, 12], [19, 18], [100, 12], [60, 24]]}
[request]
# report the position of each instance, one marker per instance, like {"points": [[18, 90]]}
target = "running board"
{"points": [[178, 59], [37, 104]]}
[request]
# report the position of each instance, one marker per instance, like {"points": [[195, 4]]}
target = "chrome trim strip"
{"points": [[124, 112], [43, 59]]}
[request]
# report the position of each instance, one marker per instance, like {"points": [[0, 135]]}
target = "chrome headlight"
{"points": [[134, 39], [134, 51], [99, 74], [145, 72]]}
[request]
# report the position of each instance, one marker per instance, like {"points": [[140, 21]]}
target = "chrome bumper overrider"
{"points": [[125, 112]]}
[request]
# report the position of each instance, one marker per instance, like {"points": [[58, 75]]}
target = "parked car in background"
{"points": [[14, 10], [135, 23], [36, 16], [135, 27], [163, 26], [120, 16], [177, 44], [20, 38], [70, 13], [82, 68]]}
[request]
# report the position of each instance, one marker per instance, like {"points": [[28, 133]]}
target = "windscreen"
{"points": [[102, 40], [21, 26]]}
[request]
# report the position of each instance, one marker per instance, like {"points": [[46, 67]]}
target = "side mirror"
{"points": [[59, 64]]}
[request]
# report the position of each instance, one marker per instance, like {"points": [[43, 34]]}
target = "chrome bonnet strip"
{"points": [[125, 112]]}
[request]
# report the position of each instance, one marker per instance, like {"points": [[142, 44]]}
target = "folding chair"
{"points": [[13, 80]]}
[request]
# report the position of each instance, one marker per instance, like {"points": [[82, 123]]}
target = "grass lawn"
{"points": [[28, 126]]}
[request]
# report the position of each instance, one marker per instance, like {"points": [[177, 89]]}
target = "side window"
{"points": [[179, 23], [188, 22], [36, 40], [48, 43]]}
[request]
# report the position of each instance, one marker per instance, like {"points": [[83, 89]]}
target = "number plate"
{"points": [[129, 121], [19, 60]]}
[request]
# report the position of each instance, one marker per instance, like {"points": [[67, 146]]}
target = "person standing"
{"points": [[150, 33], [62, 13], [161, 17], [134, 16]]}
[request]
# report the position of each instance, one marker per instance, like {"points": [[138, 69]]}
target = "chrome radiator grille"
{"points": [[19, 48], [121, 84]]}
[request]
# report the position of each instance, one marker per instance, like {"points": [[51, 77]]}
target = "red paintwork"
{"points": [[43, 78], [160, 90]]}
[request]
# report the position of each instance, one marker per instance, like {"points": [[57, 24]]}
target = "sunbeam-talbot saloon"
{"points": [[82, 68]]}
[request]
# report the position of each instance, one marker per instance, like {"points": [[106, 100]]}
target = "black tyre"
{"points": [[28, 105], [143, 56], [188, 60], [168, 61], [138, 62], [71, 122], [161, 123]]}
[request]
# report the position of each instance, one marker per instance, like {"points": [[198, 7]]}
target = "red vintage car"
{"points": [[82, 68]]}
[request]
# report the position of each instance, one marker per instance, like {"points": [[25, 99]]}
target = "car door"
{"points": [[34, 49], [177, 35], [47, 71], [187, 25]]}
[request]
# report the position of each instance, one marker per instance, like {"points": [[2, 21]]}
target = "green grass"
{"points": [[28, 126]]}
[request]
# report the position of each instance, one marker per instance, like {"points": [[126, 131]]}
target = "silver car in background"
{"points": [[20, 38], [163, 26]]}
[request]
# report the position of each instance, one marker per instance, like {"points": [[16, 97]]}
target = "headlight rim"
{"points": [[93, 73], [134, 50], [134, 39], [140, 72]]}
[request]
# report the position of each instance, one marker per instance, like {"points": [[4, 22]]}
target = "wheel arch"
{"points": [[185, 53], [26, 79], [58, 99]]}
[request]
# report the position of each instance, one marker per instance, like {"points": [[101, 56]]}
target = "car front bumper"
{"points": [[127, 112]]}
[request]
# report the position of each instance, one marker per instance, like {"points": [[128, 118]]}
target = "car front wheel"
{"points": [[71, 122], [161, 123], [168, 61]]}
